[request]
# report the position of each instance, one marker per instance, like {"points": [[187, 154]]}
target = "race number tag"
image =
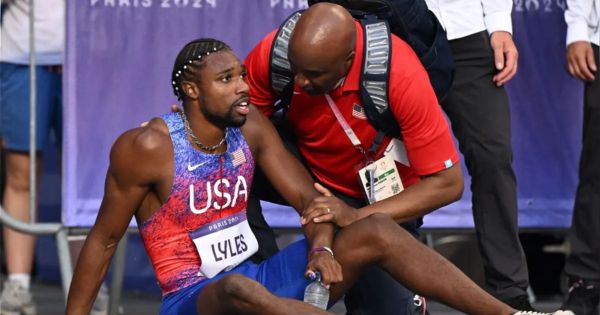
{"points": [[380, 179], [224, 244]]}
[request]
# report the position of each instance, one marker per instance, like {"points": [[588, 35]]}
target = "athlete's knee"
{"points": [[17, 172], [379, 230], [17, 180], [235, 285], [242, 292]]}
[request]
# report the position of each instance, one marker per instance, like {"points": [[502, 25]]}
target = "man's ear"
{"points": [[190, 89], [349, 59]]}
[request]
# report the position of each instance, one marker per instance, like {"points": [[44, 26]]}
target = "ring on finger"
{"points": [[328, 210]]}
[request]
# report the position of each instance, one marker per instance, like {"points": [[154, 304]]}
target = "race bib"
{"points": [[224, 244], [380, 179]]}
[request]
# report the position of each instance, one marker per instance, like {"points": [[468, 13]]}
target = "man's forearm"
{"points": [[430, 193]]}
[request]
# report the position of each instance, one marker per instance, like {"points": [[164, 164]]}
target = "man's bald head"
{"points": [[323, 41], [324, 25]]}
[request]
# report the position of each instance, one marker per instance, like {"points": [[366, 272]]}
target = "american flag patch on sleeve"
{"points": [[358, 112], [238, 158]]}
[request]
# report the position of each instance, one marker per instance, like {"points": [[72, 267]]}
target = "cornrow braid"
{"points": [[190, 60]]}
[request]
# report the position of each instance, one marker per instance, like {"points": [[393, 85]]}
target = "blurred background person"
{"points": [[14, 127], [485, 57], [583, 263]]}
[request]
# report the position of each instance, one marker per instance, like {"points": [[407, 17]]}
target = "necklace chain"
{"points": [[190, 132]]}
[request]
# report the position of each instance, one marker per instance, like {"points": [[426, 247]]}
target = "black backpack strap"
{"points": [[280, 73], [376, 143], [283, 103], [375, 75]]}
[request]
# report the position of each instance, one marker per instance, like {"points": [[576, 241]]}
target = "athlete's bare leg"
{"points": [[379, 240], [236, 294]]}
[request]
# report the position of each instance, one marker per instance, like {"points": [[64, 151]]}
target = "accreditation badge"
{"points": [[397, 150], [224, 244], [380, 179]]}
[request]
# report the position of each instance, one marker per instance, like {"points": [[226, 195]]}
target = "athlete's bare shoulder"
{"points": [[261, 134], [142, 151], [255, 127]]}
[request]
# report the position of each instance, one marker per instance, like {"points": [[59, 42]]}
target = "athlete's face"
{"points": [[223, 90]]}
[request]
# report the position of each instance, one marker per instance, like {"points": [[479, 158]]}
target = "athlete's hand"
{"points": [[325, 263], [328, 208], [505, 56], [580, 61]]}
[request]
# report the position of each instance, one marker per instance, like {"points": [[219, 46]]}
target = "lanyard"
{"points": [[356, 142], [350, 133], [342, 121]]}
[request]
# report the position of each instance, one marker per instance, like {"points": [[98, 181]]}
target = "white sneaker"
{"points": [[100, 306], [16, 300], [559, 312]]}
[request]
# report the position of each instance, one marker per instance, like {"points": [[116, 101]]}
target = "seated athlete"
{"points": [[186, 177]]}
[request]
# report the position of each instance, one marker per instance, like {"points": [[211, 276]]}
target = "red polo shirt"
{"points": [[321, 139]]}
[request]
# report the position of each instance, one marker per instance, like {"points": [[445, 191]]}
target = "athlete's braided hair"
{"points": [[191, 59]]}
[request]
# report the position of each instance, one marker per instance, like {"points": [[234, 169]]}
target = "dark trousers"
{"points": [[584, 235], [480, 116], [374, 293]]}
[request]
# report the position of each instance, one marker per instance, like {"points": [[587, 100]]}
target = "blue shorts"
{"points": [[14, 106], [282, 275]]}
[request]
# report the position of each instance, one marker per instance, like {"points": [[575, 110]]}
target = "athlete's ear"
{"points": [[190, 89]]}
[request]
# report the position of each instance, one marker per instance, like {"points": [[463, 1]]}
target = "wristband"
{"points": [[320, 249]]}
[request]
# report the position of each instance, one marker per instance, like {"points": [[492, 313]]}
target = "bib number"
{"points": [[224, 244]]}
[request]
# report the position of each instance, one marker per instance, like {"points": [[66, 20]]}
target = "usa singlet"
{"points": [[201, 229]]}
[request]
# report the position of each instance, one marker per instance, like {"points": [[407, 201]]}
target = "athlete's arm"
{"points": [[130, 175], [295, 185]]}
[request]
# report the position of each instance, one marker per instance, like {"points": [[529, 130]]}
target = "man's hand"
{"points": [[580, 61], [325, 263], [505, 56], [328, 208]]}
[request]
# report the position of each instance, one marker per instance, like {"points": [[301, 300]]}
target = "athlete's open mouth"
{"points": [[242, 106]]}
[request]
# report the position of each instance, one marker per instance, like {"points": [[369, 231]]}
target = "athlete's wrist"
{"points": [[321, 249]]}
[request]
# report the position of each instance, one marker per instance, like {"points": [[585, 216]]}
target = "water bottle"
{"points": [[316, 293]]}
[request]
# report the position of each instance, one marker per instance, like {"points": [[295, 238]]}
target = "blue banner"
{"points": [[120, 54], [119, 58]]}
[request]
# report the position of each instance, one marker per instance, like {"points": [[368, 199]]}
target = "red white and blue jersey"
{"points": [[208, 190]]}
